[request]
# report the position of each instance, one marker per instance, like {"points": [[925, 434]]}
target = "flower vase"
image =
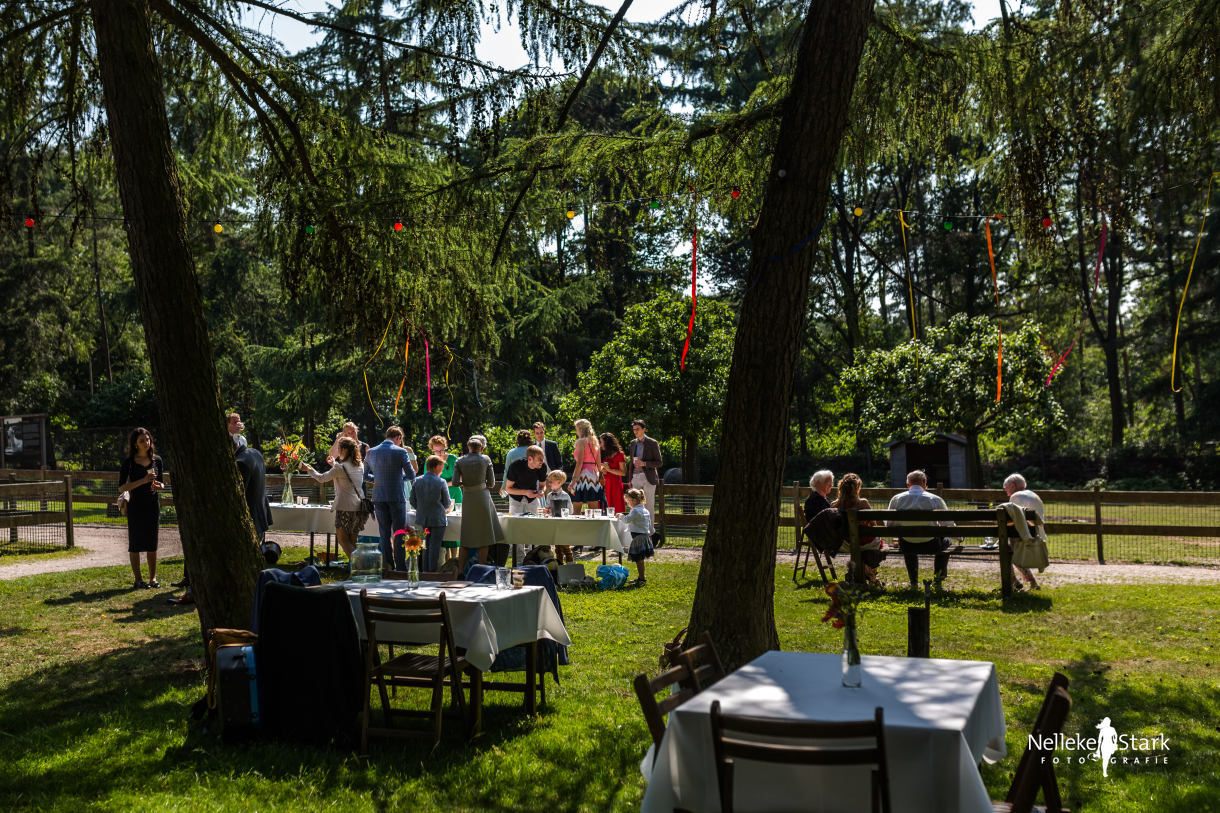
{"points": [[851, 655], [412, 571], [287, 495]]}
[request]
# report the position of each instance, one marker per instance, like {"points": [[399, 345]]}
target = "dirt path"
{"points": [[107, 546]]}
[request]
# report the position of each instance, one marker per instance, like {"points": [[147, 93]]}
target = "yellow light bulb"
{"points": [[858, 211], [218, 228]]}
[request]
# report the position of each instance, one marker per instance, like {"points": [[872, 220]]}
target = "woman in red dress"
{"points": [[614, 468]]}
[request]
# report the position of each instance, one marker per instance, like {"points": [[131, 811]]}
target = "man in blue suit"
{"points": [[430, 497], [389, 469]]}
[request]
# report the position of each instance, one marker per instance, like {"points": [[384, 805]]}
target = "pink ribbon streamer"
{"points": [[1101, 250], [428, 368]]}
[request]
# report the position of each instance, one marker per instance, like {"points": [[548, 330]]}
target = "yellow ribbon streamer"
{"points": [[999, 353], [1178, 324], [406, 355], [366, 371], [910, 282], [452, 403]]}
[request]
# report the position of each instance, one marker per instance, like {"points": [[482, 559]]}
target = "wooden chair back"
{"points": [[411, 611], [1036, 770], [798, 512], [728, 746], [678, 678], [703, 662]]}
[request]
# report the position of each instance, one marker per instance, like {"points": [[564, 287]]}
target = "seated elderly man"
{"points": [[1018, 494], [917, 498], [820, 484]]}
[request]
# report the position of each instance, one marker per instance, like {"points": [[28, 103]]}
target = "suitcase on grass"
{"points": [[237, 692]]}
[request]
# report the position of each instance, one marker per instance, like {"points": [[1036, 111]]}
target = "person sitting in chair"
{"points": [[917, 498]]}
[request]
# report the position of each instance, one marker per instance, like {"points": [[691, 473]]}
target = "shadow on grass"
{"points": [[81, 597], [113, 730]]}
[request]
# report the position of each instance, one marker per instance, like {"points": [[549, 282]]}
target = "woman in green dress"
{"points": [[440, 448]]}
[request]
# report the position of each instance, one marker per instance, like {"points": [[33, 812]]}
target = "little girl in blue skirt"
{"points": [[637, 525]]}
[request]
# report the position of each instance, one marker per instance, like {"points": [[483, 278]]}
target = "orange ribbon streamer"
{"points": [[999, 354], [406, 351]]}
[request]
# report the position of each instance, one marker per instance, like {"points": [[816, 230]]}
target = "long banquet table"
{"points": [[518, 530], [941, 718]]}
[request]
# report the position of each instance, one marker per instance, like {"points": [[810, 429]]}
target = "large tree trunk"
{"points": [[734, 599], [217, 535]]}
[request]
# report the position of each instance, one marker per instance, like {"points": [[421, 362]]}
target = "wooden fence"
{"points": [[1083, 524], [37, 506], [1138, 525]]}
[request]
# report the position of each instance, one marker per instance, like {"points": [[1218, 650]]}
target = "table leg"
{"points": [[603, 556], [476, 701], [311, 549], [328, 556], [531, 675]]}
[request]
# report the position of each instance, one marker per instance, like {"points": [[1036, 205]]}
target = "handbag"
{"points": [[366, 505], [121, 503]]}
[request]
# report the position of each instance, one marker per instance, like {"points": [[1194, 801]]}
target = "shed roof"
{"points": [[949, 436]]}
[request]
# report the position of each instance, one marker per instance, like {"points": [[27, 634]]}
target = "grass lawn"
{"points": [[22, 554], [96, 680]]}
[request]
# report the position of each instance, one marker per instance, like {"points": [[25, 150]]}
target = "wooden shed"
{"points": [[944, 460]]}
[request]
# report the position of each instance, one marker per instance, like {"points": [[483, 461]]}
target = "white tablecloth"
{"points": [[941, 718], [518, 530], [485, 620]]}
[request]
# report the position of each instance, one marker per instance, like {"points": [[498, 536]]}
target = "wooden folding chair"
{"points": [[1036, 771], [703, 662], [677, 678], [410, 669], [798, 567], [728, 747]]}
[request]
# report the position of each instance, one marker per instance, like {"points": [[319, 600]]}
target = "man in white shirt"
{"points": [[236, 427], [1018, 494], [917, 498]]}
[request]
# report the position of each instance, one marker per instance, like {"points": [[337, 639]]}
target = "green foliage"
{"points": [[637, 374], [948, 383], [1142, 654]]}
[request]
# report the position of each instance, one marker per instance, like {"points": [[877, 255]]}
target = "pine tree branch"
{"points": [[227, 64], [474, 63], [563, 118], [42, 21]]}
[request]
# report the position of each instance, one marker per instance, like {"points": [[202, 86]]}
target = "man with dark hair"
{"points": [[549, 447], [389, 468], [642, 468], [235, 428], [513, 455]]}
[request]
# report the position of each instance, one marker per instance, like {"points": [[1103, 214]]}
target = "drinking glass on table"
{"points": [[502, 578], [518, 578]]}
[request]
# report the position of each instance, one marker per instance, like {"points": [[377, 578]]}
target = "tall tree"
{"points": [[734, 596], [217, 534]]}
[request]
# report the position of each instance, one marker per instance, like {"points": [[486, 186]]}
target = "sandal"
{"points": [[154, 584], [140, 585]]}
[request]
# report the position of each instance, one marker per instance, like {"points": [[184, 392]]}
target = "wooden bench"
{"points": [[979, 523]]}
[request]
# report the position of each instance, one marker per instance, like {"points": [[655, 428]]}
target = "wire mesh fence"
{"points": [[33, 524]]}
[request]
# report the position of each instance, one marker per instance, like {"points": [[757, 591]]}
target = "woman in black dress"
{"points": [[140, 476]]}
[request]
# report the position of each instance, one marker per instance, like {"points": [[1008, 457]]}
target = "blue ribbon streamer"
{"points": [[800, 246]]}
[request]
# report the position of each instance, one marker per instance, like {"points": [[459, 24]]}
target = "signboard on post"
{"points": [[25, 442]]}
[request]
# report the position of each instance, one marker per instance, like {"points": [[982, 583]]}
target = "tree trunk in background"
{"points": [[974, 460], [1112, 267], [217, 535], [734, 599]]}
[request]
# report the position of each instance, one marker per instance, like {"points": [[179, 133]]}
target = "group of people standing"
{"points": [[388, 476]]}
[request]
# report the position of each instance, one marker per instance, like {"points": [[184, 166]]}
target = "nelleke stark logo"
{"points": [[1108, 747]]}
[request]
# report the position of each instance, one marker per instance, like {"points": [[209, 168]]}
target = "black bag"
{"points": [[271, 552], [237, 692]]}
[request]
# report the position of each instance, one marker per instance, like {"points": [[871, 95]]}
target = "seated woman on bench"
{"points": [[849, 497]]}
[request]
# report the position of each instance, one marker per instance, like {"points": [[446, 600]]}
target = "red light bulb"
{"points": [[1046, 222], [736, 192], [29, 222], [397, 225]]}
